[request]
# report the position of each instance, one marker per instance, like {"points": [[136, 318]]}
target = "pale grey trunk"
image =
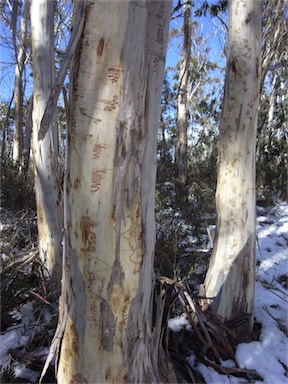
{"points": [[274, 34], [265, 136], [45, 152], [28, 134], [18, 86], [231, 276], [5, 128], [110, 182], [182, 107]]}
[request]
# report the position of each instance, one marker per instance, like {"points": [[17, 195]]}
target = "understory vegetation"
{"points": [[185, 234]]}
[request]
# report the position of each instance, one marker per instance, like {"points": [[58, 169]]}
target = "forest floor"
{"points": [[29, 316], [268, 355]]}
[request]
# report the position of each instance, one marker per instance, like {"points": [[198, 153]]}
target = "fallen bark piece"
{"points": [[249, 374]]}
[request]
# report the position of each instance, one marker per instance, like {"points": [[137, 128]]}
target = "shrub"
{"points": [[17, 188]]}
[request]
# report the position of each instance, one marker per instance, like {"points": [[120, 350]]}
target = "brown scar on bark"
{"points": [[96, 179], [100, 47], [233, 66], [78, 379], [77, 183], [88, 235], [97, 149], [111, 105], [113, 74], [248, 18]]}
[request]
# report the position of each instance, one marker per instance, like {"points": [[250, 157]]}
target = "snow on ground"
{"points": [[269, 355], [16, 337]]}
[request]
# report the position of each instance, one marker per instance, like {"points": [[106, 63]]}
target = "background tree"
{"points": [[182, 108], [15, 16], [48, 187], [271, 135], [21, 58], [111, 165], [203, 97], [230, 278]]}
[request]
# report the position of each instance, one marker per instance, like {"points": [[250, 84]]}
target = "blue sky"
{"points": [[207, 25]]}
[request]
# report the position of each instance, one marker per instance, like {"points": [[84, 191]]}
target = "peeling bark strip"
{"points": [[106, 326], [231, 275], [117, 78], [58, 86]]}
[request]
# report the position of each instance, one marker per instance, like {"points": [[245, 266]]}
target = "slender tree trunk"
{"points": [[182, 112], [231, 275], [18, 87], [263, 146], [163, 151], [274, 34], [45, 151], [28, 134], [110, 182], [5, 129]]}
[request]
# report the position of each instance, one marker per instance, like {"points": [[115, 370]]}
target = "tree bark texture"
{"points": [[182, 107], [110, 183], [45, 152], [231, 276]]}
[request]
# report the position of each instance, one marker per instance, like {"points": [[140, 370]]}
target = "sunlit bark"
{"points": [[111, 165], [182, 107], [231, 276], [18, 86], [45, 151]]}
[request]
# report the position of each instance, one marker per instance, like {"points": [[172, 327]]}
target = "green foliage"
{"points": [[272, 143], [17, 188], [173, 254], [213, 9], [202, 176]]}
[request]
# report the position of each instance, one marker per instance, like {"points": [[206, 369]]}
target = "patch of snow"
{"points": [[20, 371], [269, 355], [12, 339], [178, 323], [18, 335], [263, 358], [228, 364]]}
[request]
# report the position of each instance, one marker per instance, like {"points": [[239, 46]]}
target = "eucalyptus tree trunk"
{"points": [[274, 34], [28, 134], [231, 275], [5, 128], [20, 54], [45, 150], [182, 107], [106, 307]]}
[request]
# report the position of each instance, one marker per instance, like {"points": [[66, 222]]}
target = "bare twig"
{"points": [[281, 325]]}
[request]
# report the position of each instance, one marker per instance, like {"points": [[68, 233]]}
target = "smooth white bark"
{"points": [[45, 152], [182, 107], [110, 182], [18, 84], [231, 276]]}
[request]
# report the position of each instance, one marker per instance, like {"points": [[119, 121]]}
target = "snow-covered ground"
{"points": [[269, 355]]}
